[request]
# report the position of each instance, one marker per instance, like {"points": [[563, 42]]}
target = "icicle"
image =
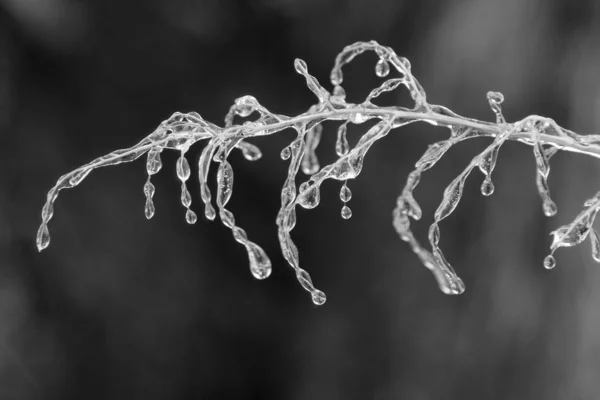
{"points": [[43, 237], [225, 183], [183, 173], [203, 167], [310, 162], [149, 192], [341, 145]]}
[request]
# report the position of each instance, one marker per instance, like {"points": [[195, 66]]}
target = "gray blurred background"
{"points": [[120, 307]]}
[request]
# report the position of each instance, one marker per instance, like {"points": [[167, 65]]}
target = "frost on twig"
{"points": [[183, 130]]}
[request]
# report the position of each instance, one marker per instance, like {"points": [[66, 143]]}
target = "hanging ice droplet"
{"points": [[183, 168], [595, 245], [487, 187], [345, 193], [191, 217], [149, 209], [549, 207], [341, 145], [309, 196], [149, 189], [153, 163], [186, 197], [260, 264], [250, 151], [286, 153], [549, 262], [318, 297], [43, 237], [382, 68], [346, 212]]}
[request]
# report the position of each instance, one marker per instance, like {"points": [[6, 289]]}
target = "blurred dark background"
{"points": [[119, 307]]}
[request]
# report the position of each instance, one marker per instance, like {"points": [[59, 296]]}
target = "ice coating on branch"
{"points": [[247, 118]]}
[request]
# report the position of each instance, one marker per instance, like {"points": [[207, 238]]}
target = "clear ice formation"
{"points": [[183, 130]]}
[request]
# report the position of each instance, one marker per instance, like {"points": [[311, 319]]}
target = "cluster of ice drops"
{"points": [[181, 131]]}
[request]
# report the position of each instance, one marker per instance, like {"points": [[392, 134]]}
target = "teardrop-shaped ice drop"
{"points": [[286, 153], [183, 169], [382, 68], [260, 264], [309, 197], [209, 212], [346, 212], [345, 193], [43, 237], [250, 151], [487, 187], [549, 262], [191, 217], [318, 297]]}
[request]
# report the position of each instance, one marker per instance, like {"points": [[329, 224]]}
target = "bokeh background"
{"points": [[119, 307]]}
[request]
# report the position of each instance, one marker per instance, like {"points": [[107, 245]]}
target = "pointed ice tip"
{"points": [[43, 237], [453, 287]]}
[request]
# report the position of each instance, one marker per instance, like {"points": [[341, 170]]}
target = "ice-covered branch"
{"points": [[183, 130]]}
